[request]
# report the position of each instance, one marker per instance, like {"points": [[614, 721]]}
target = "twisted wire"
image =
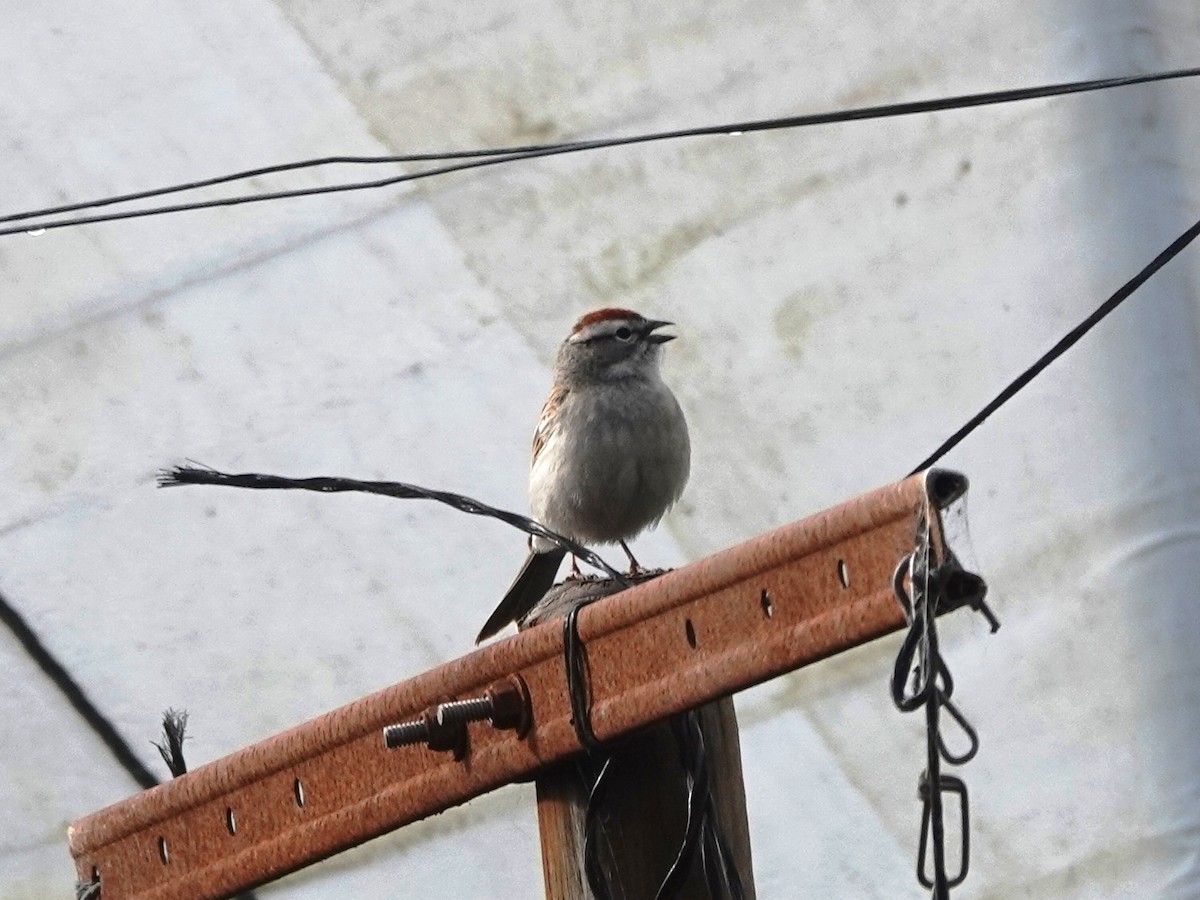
{"points": [[180, 475]]}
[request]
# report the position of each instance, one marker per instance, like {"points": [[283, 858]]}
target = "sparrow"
{"points": [[611, 452]]}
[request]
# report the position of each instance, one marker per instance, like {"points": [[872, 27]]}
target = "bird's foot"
{"points": [[634, 568], [574, 574]]}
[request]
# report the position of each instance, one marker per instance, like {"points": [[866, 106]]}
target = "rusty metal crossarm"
{"points": [[739, 617]]}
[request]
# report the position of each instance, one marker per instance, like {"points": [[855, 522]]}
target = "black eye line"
{"points": [[613, 337]]}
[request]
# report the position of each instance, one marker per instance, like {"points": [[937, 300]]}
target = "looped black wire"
{"points": [[949, 784], [573, 661], [907, 667], [967, 729], [914, 646], [913, 650], [920, 658]]}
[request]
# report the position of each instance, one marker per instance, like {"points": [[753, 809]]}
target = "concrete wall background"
{"points": [[847, 296]]}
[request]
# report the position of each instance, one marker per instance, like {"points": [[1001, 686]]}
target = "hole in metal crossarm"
{"points": [[162, 850], [843, 573], [690, 631], [230, 820], [298, 792], [767, 607]]}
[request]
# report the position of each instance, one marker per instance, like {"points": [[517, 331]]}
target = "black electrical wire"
{"points": [[268, 170], [180, 475], [1063, 345], [490, 157], [100, 724]]}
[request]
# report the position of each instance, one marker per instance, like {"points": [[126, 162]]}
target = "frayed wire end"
{"points": [[171, 748], [190, 474]]}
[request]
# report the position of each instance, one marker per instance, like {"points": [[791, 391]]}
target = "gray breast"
{"points": [[621, 479]]}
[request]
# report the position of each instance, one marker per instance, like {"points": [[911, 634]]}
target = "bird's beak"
{"points": [[654, 325]]}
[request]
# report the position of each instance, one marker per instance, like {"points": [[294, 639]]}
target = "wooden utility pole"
{"points": [[642, 814]]}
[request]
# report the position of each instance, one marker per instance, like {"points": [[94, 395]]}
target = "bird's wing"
{"points": [[548, 418]]}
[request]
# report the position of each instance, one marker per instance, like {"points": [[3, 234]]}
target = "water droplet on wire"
{"points": [[36, 232]]}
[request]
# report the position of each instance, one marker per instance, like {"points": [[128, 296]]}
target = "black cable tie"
{"points": [[573, 660]]}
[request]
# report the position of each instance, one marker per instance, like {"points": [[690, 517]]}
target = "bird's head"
{"points": [[611, 344]]}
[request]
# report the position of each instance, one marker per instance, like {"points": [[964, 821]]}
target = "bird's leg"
{"points": [[575, 573], [634, 568]]}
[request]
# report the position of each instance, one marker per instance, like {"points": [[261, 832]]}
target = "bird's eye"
{"points": [[623, 334]]}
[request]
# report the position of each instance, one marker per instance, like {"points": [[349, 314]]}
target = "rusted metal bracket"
{"points": [[770, 605]]}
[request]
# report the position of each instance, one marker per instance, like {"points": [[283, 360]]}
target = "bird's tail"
{"points": [[531, 584]]}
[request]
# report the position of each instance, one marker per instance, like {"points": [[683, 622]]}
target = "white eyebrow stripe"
{"points": [[606, 328]]}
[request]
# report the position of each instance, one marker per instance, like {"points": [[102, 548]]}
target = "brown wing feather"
{"points": [[549, 415]]}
